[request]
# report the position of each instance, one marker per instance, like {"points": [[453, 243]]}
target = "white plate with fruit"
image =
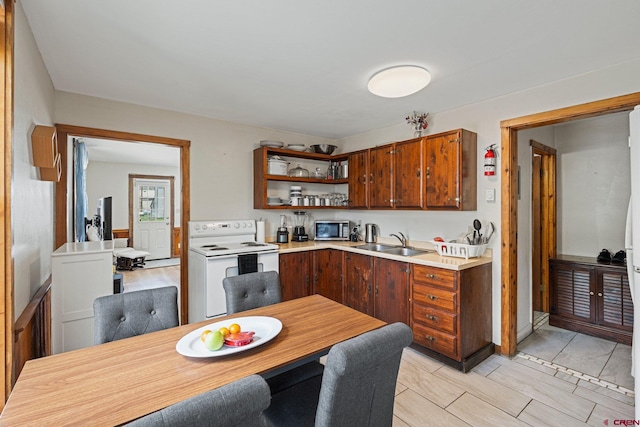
{"points": [[229, 336]]}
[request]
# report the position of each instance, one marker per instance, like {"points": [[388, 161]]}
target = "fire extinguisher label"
{"points": [[490, 162]]}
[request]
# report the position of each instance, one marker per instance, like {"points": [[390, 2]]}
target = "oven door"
{"points": [[219, 267]]}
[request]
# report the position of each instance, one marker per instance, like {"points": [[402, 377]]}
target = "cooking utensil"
{"points": [[492, 228], [477, 225]]}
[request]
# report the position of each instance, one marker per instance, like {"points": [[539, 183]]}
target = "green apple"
{"points": [[214, 341]]}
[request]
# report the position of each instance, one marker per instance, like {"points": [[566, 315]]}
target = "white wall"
{"points": [[221, 152], [32, 200], [112, 179], [484, 119], [594, 184]]}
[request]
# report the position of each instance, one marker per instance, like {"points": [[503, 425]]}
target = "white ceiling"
{"points": [[303, 66], [104, 150]]}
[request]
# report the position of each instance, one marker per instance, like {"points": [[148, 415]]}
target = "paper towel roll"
{"points": [[260, 231]]}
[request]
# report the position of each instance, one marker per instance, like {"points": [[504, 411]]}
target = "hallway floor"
{"points": [[583, 381]]}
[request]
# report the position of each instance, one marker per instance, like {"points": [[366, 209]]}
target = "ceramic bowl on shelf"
{"points": [[269, 143], [296, 147]]}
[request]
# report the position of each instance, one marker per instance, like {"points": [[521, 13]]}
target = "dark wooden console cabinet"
{"points": [[591, 298]]}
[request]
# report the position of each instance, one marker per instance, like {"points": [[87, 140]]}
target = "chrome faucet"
{"points": [[402, 239]]}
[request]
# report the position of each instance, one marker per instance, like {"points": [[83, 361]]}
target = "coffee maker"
{"points": [[299, 221]]}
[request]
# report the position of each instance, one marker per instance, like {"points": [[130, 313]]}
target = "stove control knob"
{"points": [[249, 225], [236, 225], [197, 227]]}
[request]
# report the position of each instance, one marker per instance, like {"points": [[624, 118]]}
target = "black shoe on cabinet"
{"points": [[604, 257]]}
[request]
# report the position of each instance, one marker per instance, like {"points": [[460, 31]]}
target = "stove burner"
{"points": [[253, 244], [214, 248]]}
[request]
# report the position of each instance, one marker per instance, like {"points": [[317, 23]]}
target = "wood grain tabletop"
{"points": [[113, 383]]}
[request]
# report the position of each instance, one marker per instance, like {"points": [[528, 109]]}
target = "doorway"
{"points": [[509, 191], [64, 197], [543, 222], [151, 215]]}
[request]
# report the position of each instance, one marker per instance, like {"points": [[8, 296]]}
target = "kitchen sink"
{"points": [[394, 250], [375, 247], [407, 251]]}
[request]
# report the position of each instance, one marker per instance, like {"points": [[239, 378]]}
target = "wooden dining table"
{"points": [[116, 382]]}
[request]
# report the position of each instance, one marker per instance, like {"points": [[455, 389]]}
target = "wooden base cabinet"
{"points": [[451, 314], [591, 298], [378, 287], [327, 274], [295, 275]]}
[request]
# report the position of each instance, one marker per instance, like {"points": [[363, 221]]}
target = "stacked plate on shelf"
{"points": [[269, 143]]}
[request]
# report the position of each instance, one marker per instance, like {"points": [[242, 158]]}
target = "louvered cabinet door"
{"points": [[614, 307], [573, 294], [590, 298]]}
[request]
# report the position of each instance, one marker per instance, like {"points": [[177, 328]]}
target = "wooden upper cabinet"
{"points": [[359, 179], [380, 177], [409, 178], [44, 143], [451, 170]]}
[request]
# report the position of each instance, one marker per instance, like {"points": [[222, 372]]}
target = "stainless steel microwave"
{"points": [[333, 229]]}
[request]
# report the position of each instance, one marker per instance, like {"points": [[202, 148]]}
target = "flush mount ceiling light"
{"points": [[400, 81]]}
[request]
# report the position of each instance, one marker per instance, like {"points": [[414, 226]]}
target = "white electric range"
{"points": [[219, 249]]}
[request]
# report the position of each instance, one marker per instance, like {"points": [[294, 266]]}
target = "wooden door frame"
{"points": [[64, 131], [132, 179], [6, 130], [548, 213], [509, 204]]}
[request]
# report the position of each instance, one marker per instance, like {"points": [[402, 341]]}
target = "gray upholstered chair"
{"points": [[129, 314], [240, 404], [251, 290], [356, 389]]}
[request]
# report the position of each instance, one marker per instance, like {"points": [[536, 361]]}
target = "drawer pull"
{"points": [[432, 297], [432, 318], [430, 338], [432, 276]]}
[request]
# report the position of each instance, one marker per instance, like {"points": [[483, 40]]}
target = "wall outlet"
{"points": [[490, 195]]}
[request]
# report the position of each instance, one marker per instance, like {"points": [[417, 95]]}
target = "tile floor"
{"points": [[558, 378]]}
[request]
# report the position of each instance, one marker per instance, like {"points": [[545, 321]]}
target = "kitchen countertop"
{"points": [[75, 248], [430, 259]]}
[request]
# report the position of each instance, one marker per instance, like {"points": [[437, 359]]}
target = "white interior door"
{"points": [[152, 217]]}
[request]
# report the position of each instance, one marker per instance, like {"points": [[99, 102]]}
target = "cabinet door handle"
{"points": [[370, 177], [591, 293], [428, 171], [369, 289], [453, 199], [418, 173], [432, 297], [376, 290], [599, 294], [432, 318]]}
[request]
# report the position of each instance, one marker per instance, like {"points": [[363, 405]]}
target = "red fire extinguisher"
{"points": [[490, 161]]}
